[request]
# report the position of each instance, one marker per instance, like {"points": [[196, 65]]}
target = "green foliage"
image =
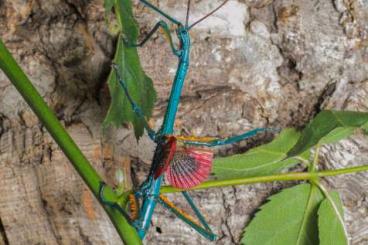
{"points": [[336, 135], [330, 222], [325, 123], [290, 217], [140, 86], [262, 160], [290, 147]]}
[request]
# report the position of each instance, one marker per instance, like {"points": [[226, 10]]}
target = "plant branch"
{"points": [[269, 178], [63, 139]]}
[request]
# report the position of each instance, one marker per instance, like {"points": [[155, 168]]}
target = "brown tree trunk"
{"points": [[254, 63]]}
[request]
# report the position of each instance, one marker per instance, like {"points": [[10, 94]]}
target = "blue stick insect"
{"points": [[167, 144]]}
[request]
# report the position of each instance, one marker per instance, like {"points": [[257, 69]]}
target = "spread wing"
{"points": [[189, 167]]}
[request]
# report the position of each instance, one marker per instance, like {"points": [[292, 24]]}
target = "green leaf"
{"points": [[262, 160], [330, 221], [336, 135], [127, 22], [140, 86], [290, 217], [324, 124]]}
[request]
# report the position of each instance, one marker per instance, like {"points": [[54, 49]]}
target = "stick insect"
{"points": [[193, 160]]}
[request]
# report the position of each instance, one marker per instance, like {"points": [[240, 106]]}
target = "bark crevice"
{"points": [[3, 236]]}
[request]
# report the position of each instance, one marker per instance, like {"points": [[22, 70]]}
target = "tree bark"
{"points": [[254, 63]]}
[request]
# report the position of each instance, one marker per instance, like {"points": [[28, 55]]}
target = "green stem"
{"points": [[65, 142], [313, 165], [269, 178]]}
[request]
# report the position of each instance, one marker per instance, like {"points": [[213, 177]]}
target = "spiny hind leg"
{"points": [[212, 142]]}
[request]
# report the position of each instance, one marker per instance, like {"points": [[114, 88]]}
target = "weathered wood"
{"points": [[275, 63]]}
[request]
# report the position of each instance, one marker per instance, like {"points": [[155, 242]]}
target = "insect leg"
{"points": [[164, 26], [230, 140], [196, 210], [181, 214], [153, 7]]}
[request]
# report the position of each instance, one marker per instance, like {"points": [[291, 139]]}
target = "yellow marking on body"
{"points": [[194, 138], [133, 205]]}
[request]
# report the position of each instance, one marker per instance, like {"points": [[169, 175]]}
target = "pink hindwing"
{"points": [[189, 167]]}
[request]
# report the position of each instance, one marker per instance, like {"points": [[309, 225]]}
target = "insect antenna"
{"points": [[187, 16], [207, 15]]}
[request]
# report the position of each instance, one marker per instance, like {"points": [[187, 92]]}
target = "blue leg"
{"points": [[230, 140], [204, 231], [150, 5], [196, 210]]}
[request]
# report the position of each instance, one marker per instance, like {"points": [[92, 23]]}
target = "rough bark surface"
{"points": [[255, 63]]}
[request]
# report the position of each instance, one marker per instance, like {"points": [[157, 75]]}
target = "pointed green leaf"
{"points": [[262, 160], [139, 85], [289, 217], [330, 222], [323, 124]]}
